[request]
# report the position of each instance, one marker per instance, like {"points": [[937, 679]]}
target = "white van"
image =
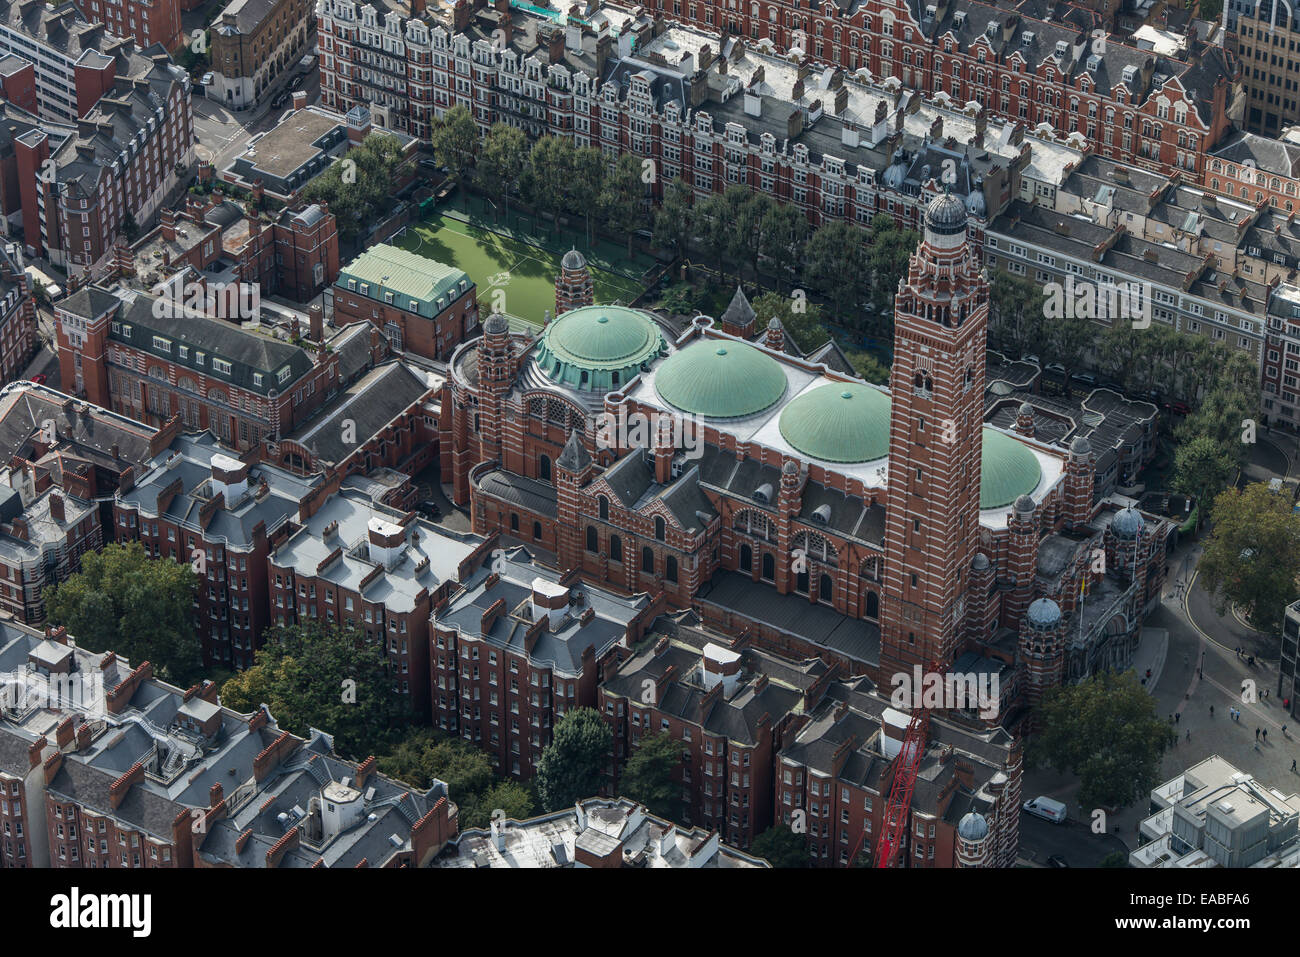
{"points": [[1047, 809]]}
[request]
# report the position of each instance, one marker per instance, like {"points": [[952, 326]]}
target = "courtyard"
{"points": [[514, 261]]}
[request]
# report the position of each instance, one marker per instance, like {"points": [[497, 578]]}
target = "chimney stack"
{"points": [[57, 511]]}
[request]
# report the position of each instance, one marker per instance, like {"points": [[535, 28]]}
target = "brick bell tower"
{"points": [[932, 530]]}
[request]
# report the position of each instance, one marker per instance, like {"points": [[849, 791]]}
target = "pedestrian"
{"points": [[1186, 660], [1178, 716], [1266, 735], [1293, 764], [1211, 711], [1189, 734], [1148, 672], [1257, 734]]}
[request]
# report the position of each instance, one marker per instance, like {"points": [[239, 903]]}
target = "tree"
{"points": [[548, 174], [804, 326], [648, 777], [836, 265], [572, 766], [713, 228], [1252, 557], [359, 187], [781, 847], [455, 143], [753, 219], [674, 218], [501, 162], [785, 231], [1104, 730], [1067, 340], [623, 198], [510, 798], [1015, 313], [327, 677], [1202, 469], [1210, 10], [587, 185], [424, 754], [868, 366], [130, 228], [1114, 859], [891, 250], [124, 601]]}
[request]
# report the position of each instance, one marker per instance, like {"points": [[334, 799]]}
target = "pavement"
{"points": [[1191, 651]]}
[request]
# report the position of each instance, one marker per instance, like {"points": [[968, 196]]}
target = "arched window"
{"points": [[648, 560], [537, 531], [591, 538], [873, 605], [615, 548], [826, 589], [660, 530], [769, 566], [801, 582], [514, 522], [603, 504], [544, 468], [670, 569], [746, 558]]}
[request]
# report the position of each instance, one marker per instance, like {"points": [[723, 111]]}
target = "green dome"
{"points": [[599, 347], [1007, 470], [721, 379], [839, 422]]}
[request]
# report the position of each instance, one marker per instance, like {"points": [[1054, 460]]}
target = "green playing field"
{"points": [[520, 274]]}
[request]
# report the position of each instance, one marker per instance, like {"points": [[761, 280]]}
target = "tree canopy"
{"points": [[781, 847], [1104, 730], [323, 676], [359, 187], [1252, 557], [141, 607], [573, 765], [648, 776]]}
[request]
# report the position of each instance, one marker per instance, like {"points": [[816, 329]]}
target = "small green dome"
{"points": [[721, 380], [1008, 470], [840, 422], [599, 347]]}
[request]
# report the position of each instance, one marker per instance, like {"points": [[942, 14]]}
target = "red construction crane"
{"points": [[906, 764]]}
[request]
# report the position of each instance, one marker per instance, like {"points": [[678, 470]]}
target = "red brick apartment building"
{"points": [[195, 501], [148, 21], [18, 82], [18, 339], [44, 531], [518, 646], [294, 254], [372, 568], [125, 350], [420, 306], [121, 157], [730, 705], [202, 787]]}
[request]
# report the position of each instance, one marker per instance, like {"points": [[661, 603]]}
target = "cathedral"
{"points": [[880, 529]]}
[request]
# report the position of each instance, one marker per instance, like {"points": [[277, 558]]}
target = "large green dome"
{"points": [[599, 347], [1008, 470], [721, 379], [839, 422]]}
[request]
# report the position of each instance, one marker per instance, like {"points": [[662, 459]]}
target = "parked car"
{"points": [[206, 80], [1084, 380], [428, 164], [429, 508], [1055, 368], [1047, 808], [40, 378], [1034, 359], [1178, 408], [1056, 860]]}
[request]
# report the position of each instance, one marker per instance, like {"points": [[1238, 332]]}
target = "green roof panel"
{"points": [[721, 379], [840, 422], [599, 347], [387, 269], [1008, 469]]}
